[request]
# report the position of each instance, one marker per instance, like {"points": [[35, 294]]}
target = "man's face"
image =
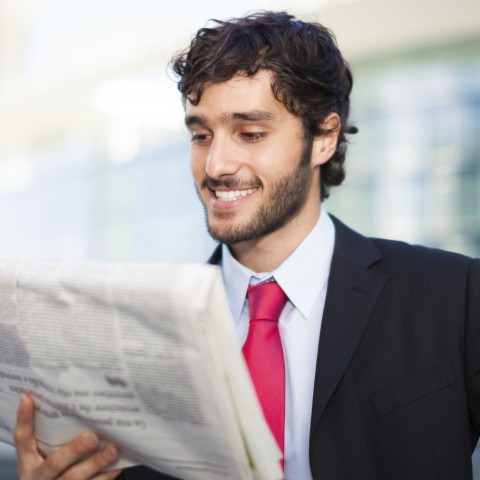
{"points": [[250, 160]]}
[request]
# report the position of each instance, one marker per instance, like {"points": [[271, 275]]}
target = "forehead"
{"points": [[239, 94]]}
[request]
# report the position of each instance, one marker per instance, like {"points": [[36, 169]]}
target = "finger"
{"points": [[24, 426], [24, 432], [110, 475], [64, 457], [93, 465]]}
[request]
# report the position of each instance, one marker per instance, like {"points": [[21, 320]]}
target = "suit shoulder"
{"points": [[415, 257], [357, 248]]}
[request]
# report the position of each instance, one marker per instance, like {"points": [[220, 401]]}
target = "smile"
{"points": [[232, 195]]}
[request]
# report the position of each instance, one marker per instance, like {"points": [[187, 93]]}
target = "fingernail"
{"points": [[90, 440], [110, 452]]}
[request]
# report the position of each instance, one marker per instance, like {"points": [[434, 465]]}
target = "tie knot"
{"points": [[266, 301]]}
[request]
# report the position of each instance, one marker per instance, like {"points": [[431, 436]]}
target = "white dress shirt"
{"points": [[303, 277]]}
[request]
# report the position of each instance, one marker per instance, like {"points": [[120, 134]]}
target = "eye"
{"points": [[253, 136], [201, 138]]}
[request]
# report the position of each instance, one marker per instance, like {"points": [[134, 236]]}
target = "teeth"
{"points": [[233, 194]]}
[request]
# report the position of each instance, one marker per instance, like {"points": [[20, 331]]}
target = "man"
{"points": [[381, 340]]}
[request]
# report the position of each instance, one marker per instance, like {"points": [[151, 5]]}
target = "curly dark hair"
{"points": [[310, 76]]}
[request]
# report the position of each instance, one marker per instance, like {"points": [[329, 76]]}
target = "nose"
{"points": [[222, 159]]}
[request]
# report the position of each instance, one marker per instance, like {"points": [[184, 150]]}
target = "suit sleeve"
{"points": [[472, 345], [143, 473]]}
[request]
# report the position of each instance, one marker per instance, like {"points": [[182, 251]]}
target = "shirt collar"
{"points": [[302, 275]]}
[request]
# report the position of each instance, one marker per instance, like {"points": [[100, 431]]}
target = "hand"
{"points": [[79, 459]]}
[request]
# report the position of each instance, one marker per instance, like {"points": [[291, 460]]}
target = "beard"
{"points": [[288, 196]]}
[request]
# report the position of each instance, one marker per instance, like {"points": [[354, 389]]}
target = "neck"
{"points": [[266, 253]]}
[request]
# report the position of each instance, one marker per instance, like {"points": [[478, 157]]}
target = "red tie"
{"points": [[264, 354]]}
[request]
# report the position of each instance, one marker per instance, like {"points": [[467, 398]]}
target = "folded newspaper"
{"points": [[142, 354]]}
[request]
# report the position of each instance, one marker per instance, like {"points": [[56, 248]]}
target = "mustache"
{"points": [[231, 182]]}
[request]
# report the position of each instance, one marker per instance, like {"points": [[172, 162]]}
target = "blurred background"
{"points": [[94, 156]]}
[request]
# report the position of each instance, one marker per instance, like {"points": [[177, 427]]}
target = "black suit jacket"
{"points": [[397, 383]]}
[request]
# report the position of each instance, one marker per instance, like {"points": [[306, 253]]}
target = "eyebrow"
{"points": [[250, 116]]}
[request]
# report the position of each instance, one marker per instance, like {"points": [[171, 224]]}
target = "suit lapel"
{"points": [[353, 290], [216, 256]]}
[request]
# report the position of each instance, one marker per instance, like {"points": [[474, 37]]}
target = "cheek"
{"points": [[278, 161], [197, 166]]}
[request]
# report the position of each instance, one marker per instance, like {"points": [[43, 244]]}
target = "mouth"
{"points": [[233, 195]]}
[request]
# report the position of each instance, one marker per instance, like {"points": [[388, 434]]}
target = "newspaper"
{"points": [[142, 354]]}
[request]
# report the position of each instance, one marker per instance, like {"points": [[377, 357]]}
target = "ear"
{"points": [[324, 145]]}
